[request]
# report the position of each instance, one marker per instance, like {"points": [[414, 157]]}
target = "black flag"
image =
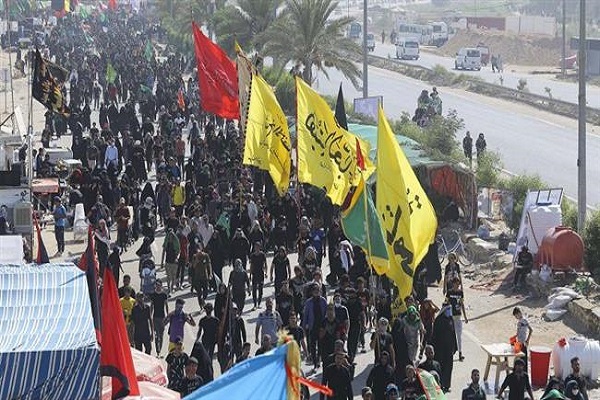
{"points": [[340, 110], [48, 82]]}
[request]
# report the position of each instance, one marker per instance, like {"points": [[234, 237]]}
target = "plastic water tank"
{"points": [[561, 249], [588, 352]]}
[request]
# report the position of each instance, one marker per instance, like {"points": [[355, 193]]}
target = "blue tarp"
{"points": [[48, 347], [261, 377]]}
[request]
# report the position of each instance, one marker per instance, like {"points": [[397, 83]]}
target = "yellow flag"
{"points": [[267, 145], [245, 69], [326, 151], [407, 216]]}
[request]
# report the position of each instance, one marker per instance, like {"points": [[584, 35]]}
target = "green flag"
{"points": [[83, 12], [145, 89], [430, 386], [111, 74], [149, 51], [362, 227]]}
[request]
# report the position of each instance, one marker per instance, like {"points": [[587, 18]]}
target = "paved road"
{"points": [[566, 91], [486, 309], [528, 140]]}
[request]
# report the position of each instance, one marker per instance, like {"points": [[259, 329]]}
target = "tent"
{"points": [[441, 180], [48, 347]]}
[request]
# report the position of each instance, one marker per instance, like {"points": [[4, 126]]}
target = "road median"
{"points": [[440, 76]]}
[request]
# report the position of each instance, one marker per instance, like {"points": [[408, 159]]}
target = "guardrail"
{"points": [[486, 88]]}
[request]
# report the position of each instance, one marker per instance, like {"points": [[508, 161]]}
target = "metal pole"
{"points": [[12, 93], [564, 38], [365, 53], [581, 163]]}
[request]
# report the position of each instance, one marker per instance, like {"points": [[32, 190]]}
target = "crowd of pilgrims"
{"points": [[215, 213]]}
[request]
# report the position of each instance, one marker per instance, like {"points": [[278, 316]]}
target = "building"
{"points": [[592, 56]]}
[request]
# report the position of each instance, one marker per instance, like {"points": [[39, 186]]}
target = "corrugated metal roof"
{"points": [[48, 344], [44, 307]]}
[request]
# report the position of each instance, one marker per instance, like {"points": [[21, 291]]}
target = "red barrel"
{"points": [[540, 364]]}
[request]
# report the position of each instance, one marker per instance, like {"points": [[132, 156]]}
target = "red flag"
{"points": [[360, 160], [42, 253], [217, 78], [115, 354], [180, 100], [112, 4], [89, 264]]}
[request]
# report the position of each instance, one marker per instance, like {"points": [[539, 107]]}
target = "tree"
{"points": [[305, 35], [591, 239], [176, 18], [245, 22]]}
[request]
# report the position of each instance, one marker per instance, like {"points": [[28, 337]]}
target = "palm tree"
{"points": [[305, 35], [176, 18], [245, 22]]}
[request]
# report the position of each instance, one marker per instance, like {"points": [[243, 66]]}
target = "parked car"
{"points": [[570, 62], [468, 58], [407, 48]]}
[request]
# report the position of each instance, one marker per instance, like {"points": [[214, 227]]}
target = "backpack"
{"points": [[148, 280]]}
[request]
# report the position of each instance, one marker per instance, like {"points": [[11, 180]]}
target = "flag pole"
{"points": [[366, 211], [298, 194]]}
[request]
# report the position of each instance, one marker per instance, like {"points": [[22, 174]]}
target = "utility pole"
{"points": [[581, 147], [564, 39], [365, 53]]}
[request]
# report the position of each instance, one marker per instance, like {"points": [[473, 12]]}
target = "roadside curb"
{"points": [[476, 85]]}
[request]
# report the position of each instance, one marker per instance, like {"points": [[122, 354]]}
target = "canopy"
{"points": [[48, 346], [45, 185], [441, 180], [261, 377]]}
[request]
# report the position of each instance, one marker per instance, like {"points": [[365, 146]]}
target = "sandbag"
{"points": [[553, 315], [558, 302]]}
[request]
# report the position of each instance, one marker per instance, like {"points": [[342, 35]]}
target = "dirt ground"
{"points": [[515, 50]]}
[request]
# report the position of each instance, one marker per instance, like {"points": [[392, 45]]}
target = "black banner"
{"points": [[48, 81]]}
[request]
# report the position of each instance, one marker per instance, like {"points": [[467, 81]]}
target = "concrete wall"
{"points": [[593, 62], [531, 25]]}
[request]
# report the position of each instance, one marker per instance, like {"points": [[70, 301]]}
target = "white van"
{"points": [[468, 58], [371, 42], [407, 48]]}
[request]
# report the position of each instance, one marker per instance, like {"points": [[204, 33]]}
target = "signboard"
{"points": [[368, 106]]}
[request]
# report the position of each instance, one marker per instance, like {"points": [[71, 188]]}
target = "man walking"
{"points": [[142, 325], [576, 376], [474, 391], [467, 144], [517, 382], [524, 332], [169, 257], [201, 274], [338, 378], [270, 322], [60, 219], [159, 307]]}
